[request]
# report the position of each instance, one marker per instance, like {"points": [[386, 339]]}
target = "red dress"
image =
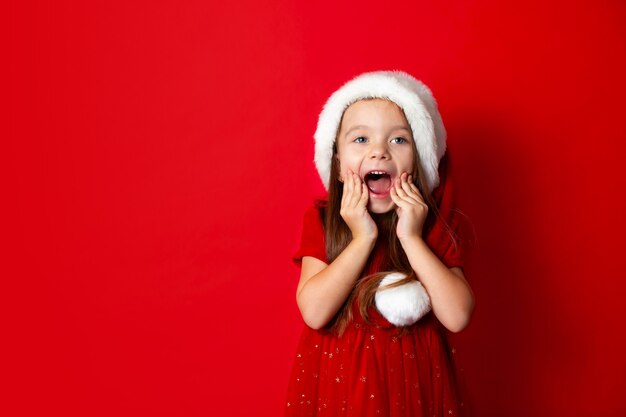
{"points": [[372, 370]]}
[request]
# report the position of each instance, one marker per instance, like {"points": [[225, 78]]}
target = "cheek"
{"points": [[342, 169], [405, 162], [412, 164], [345, 164]]}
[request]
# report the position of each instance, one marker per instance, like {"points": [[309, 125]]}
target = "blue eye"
{"points": [[360, 139], [399, 140]]}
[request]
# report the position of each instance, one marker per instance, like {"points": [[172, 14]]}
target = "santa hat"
{"points": [[412, 96]]}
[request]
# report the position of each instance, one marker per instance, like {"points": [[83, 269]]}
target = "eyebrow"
{"points": [[397, 127]]}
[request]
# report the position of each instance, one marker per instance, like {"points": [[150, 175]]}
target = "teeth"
{"points": [[378, 172]]}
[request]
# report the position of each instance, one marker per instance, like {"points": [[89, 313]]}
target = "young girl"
{"points": [[381, 261]]}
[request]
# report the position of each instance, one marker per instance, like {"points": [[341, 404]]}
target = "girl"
{"points": [[381, 275]]}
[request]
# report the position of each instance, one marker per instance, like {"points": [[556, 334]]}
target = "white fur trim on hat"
{"points": [[412, 96], [402, 305]]}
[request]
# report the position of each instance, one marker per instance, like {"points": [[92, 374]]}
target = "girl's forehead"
{"points": [[368, 111]]}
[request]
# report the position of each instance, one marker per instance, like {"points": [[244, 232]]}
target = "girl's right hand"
{"points": [[354, 208]]}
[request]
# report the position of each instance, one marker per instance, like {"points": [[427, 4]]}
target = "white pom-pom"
{"points": [[402, 305]]}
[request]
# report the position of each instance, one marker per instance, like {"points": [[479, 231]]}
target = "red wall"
{"points": [[159, 159]]}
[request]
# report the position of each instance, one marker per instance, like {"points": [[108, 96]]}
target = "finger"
{"points": [[414, 187], [356, 190], [363, 191], [396, 184], [393, 192], [347, 191], [410, 193], [343, 192], [399, 190], [416, 193], [364, 196]]}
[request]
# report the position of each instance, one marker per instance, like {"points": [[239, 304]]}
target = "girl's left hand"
{"points": [[411, 208]]}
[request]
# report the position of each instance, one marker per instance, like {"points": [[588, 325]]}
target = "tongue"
{"points": [[379, 186]]}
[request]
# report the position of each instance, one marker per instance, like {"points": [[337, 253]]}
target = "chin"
{"points": [[380, 207]]}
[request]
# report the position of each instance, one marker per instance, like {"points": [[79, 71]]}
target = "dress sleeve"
{"points": [[447, 244], [313, 242]]}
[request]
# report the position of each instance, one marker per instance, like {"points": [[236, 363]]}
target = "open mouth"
{"points": [[378, 182]]}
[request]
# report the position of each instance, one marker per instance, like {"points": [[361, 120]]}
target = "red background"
{"points": [[158, 163]]}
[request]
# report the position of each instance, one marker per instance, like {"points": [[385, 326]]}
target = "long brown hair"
{"points": [[338, 236]]}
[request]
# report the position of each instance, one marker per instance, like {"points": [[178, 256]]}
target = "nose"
{"points": [[378, 150]]}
